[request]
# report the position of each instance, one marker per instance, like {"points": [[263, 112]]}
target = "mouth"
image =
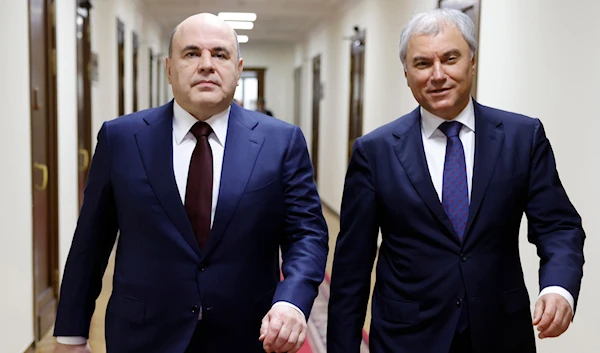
{"points": [[205, 83], [439, 91]]}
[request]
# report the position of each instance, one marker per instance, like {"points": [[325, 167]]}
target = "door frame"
{"points": [[317, 95], [52, 162], [121, 66], [84, 98], [357, 68], [135, 57]]}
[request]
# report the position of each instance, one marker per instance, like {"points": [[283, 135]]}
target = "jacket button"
{"points": [[463, 258], [201, 267], [195, 309], [458, 302]]}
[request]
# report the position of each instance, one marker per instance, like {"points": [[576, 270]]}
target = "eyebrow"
{"points": [[215, 49], [448, 53]]}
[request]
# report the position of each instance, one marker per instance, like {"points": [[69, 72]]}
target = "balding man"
{"points": [[204, 195]]}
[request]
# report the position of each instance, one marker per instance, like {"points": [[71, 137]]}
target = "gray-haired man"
{"points": [[448, 185]]}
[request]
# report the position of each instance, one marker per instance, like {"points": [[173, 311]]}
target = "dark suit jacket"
{"points": [[424, 272], [162, 279]]}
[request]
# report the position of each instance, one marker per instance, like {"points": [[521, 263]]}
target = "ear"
{"points": [[239, 72], [168, 68]]}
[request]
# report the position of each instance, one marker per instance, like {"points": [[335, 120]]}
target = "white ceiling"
{"points": [[277, 20]]}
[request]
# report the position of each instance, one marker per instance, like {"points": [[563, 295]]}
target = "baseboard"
{"points": [[326, 206], [31, 348]]}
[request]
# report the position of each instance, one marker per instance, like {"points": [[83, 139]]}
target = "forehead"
{"points": [[449, 38], [204, 35]]}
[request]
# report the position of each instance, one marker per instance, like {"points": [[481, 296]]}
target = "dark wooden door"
{"points": [[316, 100], [121, 65], [297, 94], [158, 81], [150, 78], [42, 56], [357, 79], [135, 71], [84, 93]]}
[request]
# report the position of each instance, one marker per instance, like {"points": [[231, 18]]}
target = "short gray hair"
{"points": [[432, 23]]}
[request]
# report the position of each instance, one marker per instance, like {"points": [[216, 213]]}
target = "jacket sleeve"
{"points": [[355, 253], [554, 225], [90, 250]]}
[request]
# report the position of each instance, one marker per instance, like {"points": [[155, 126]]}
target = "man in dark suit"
{"points": [[204, 195], [447, 185]]}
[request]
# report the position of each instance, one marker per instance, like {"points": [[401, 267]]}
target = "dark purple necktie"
{"points": [[455, 193], [198, 194]]}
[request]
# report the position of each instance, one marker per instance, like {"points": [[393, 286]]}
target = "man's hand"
{"points": [[72, 348], [552, 315], [283, 330]]}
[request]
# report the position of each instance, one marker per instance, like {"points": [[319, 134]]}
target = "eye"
{"points": [[190, 54], [220, 55]]}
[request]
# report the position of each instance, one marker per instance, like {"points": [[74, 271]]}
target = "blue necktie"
{"points": [[455, 192]]}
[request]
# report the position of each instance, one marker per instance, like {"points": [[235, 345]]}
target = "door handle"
{"points": [[36, 101], [86, 159], [44, 169]]}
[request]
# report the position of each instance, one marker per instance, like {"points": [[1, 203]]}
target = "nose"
{"points": [[206, 62], [438, 73]]}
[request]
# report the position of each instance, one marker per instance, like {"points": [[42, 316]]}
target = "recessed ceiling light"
{"points": [[242, 39], [241, 24], [237, 16]]}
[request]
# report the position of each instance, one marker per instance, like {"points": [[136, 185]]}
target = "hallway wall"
{"points": [[278, 59], [532, 60], [386, 95], [105, 98], [16, 321], [16, 298], [537, 58]]}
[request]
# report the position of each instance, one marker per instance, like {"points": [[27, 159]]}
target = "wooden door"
{"points": [[42, 56], [150, 77], [297, 94], [157, 82], [316, 100], [84, 93], [135, 71], [121, 65], [357, 79]]}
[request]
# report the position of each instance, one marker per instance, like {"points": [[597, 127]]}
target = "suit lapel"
{"points": [[410, 153], [241, 150], [489, 138], [155, 144]]}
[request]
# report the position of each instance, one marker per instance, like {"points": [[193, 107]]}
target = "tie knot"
{"points": [[201, 129], [451, 128]]}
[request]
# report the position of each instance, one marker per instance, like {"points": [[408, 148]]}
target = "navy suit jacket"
{"points": [[424, 273], [162, 280]]}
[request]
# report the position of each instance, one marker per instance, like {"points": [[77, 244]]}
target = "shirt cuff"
{"points": [[561, 291], [71, 340], [290, 305]]}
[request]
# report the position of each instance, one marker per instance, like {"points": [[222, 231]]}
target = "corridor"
{"points": [[332, 68]]}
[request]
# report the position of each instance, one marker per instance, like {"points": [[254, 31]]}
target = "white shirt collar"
{"points": [[183, 122], [430, 122]]}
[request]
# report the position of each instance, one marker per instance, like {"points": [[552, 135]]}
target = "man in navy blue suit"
{"points": [[447, 186], [204, 195]]}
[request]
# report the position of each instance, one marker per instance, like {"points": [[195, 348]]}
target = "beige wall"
{"points": [[16, 296], [278, 59]]}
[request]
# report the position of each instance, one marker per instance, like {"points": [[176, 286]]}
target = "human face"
{"points": [[204, 68], [439, 71]]}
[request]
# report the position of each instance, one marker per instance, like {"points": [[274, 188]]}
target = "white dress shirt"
{"points": [[184, 143], [434, 144]]}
